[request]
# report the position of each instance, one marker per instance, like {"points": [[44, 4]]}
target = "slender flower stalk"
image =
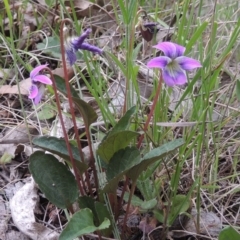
{"points": [[37, 88], [174, 66], [151, 111], [64, 49], [78, 177], [73, 44]]}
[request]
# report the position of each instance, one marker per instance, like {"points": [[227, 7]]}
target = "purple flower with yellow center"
{"points": [[174, 65], [37, 88], [73, 44]]}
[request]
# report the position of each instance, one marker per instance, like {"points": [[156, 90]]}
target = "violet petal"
{"points": [[91, 48], [33, 92], [188, 63], [159, 62], [171, 50], [179, 50], [172, 78], [150, 24], [36, 70], [43, 79], [77, 42], [71, 56], [38, 98]]}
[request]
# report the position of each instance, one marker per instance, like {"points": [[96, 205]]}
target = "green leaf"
{"points": [[103, 213], [124, 122], [154, 156], [50, 2], [136, 201], [147, 205], [159, 215], [88, 202], [99, 210], [238, 89], [50, 46], [54, 179], [229, 233], [149, 172], [46, 113], [180, 204], [58, 146], [119, 164], [115, 142], [196, 36], [6, 158], [146, 188], [87, 112], [82, 223], [121, 161]]}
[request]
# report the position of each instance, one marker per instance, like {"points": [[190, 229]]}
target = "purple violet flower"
{"points": [[72, 45], [174, 65], [37, 88]]}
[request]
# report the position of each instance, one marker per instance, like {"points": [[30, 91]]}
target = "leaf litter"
{"points": [[210, 223]]}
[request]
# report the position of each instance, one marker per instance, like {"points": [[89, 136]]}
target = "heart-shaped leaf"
{"points": [[115, 142], [58, 146], [119, 164], [82, 223], [54, 179], [98, 209], [153, 156]]}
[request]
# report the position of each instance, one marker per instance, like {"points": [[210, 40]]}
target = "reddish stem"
{"points": [[65, 133], [70, 98], [152, 110]]}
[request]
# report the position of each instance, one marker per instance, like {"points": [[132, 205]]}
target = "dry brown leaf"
{"points": [[60, 72], [22, 207], [24, 87], [112, 37], [83, 8], [210, 224], [13, 138], [147, 224]]}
